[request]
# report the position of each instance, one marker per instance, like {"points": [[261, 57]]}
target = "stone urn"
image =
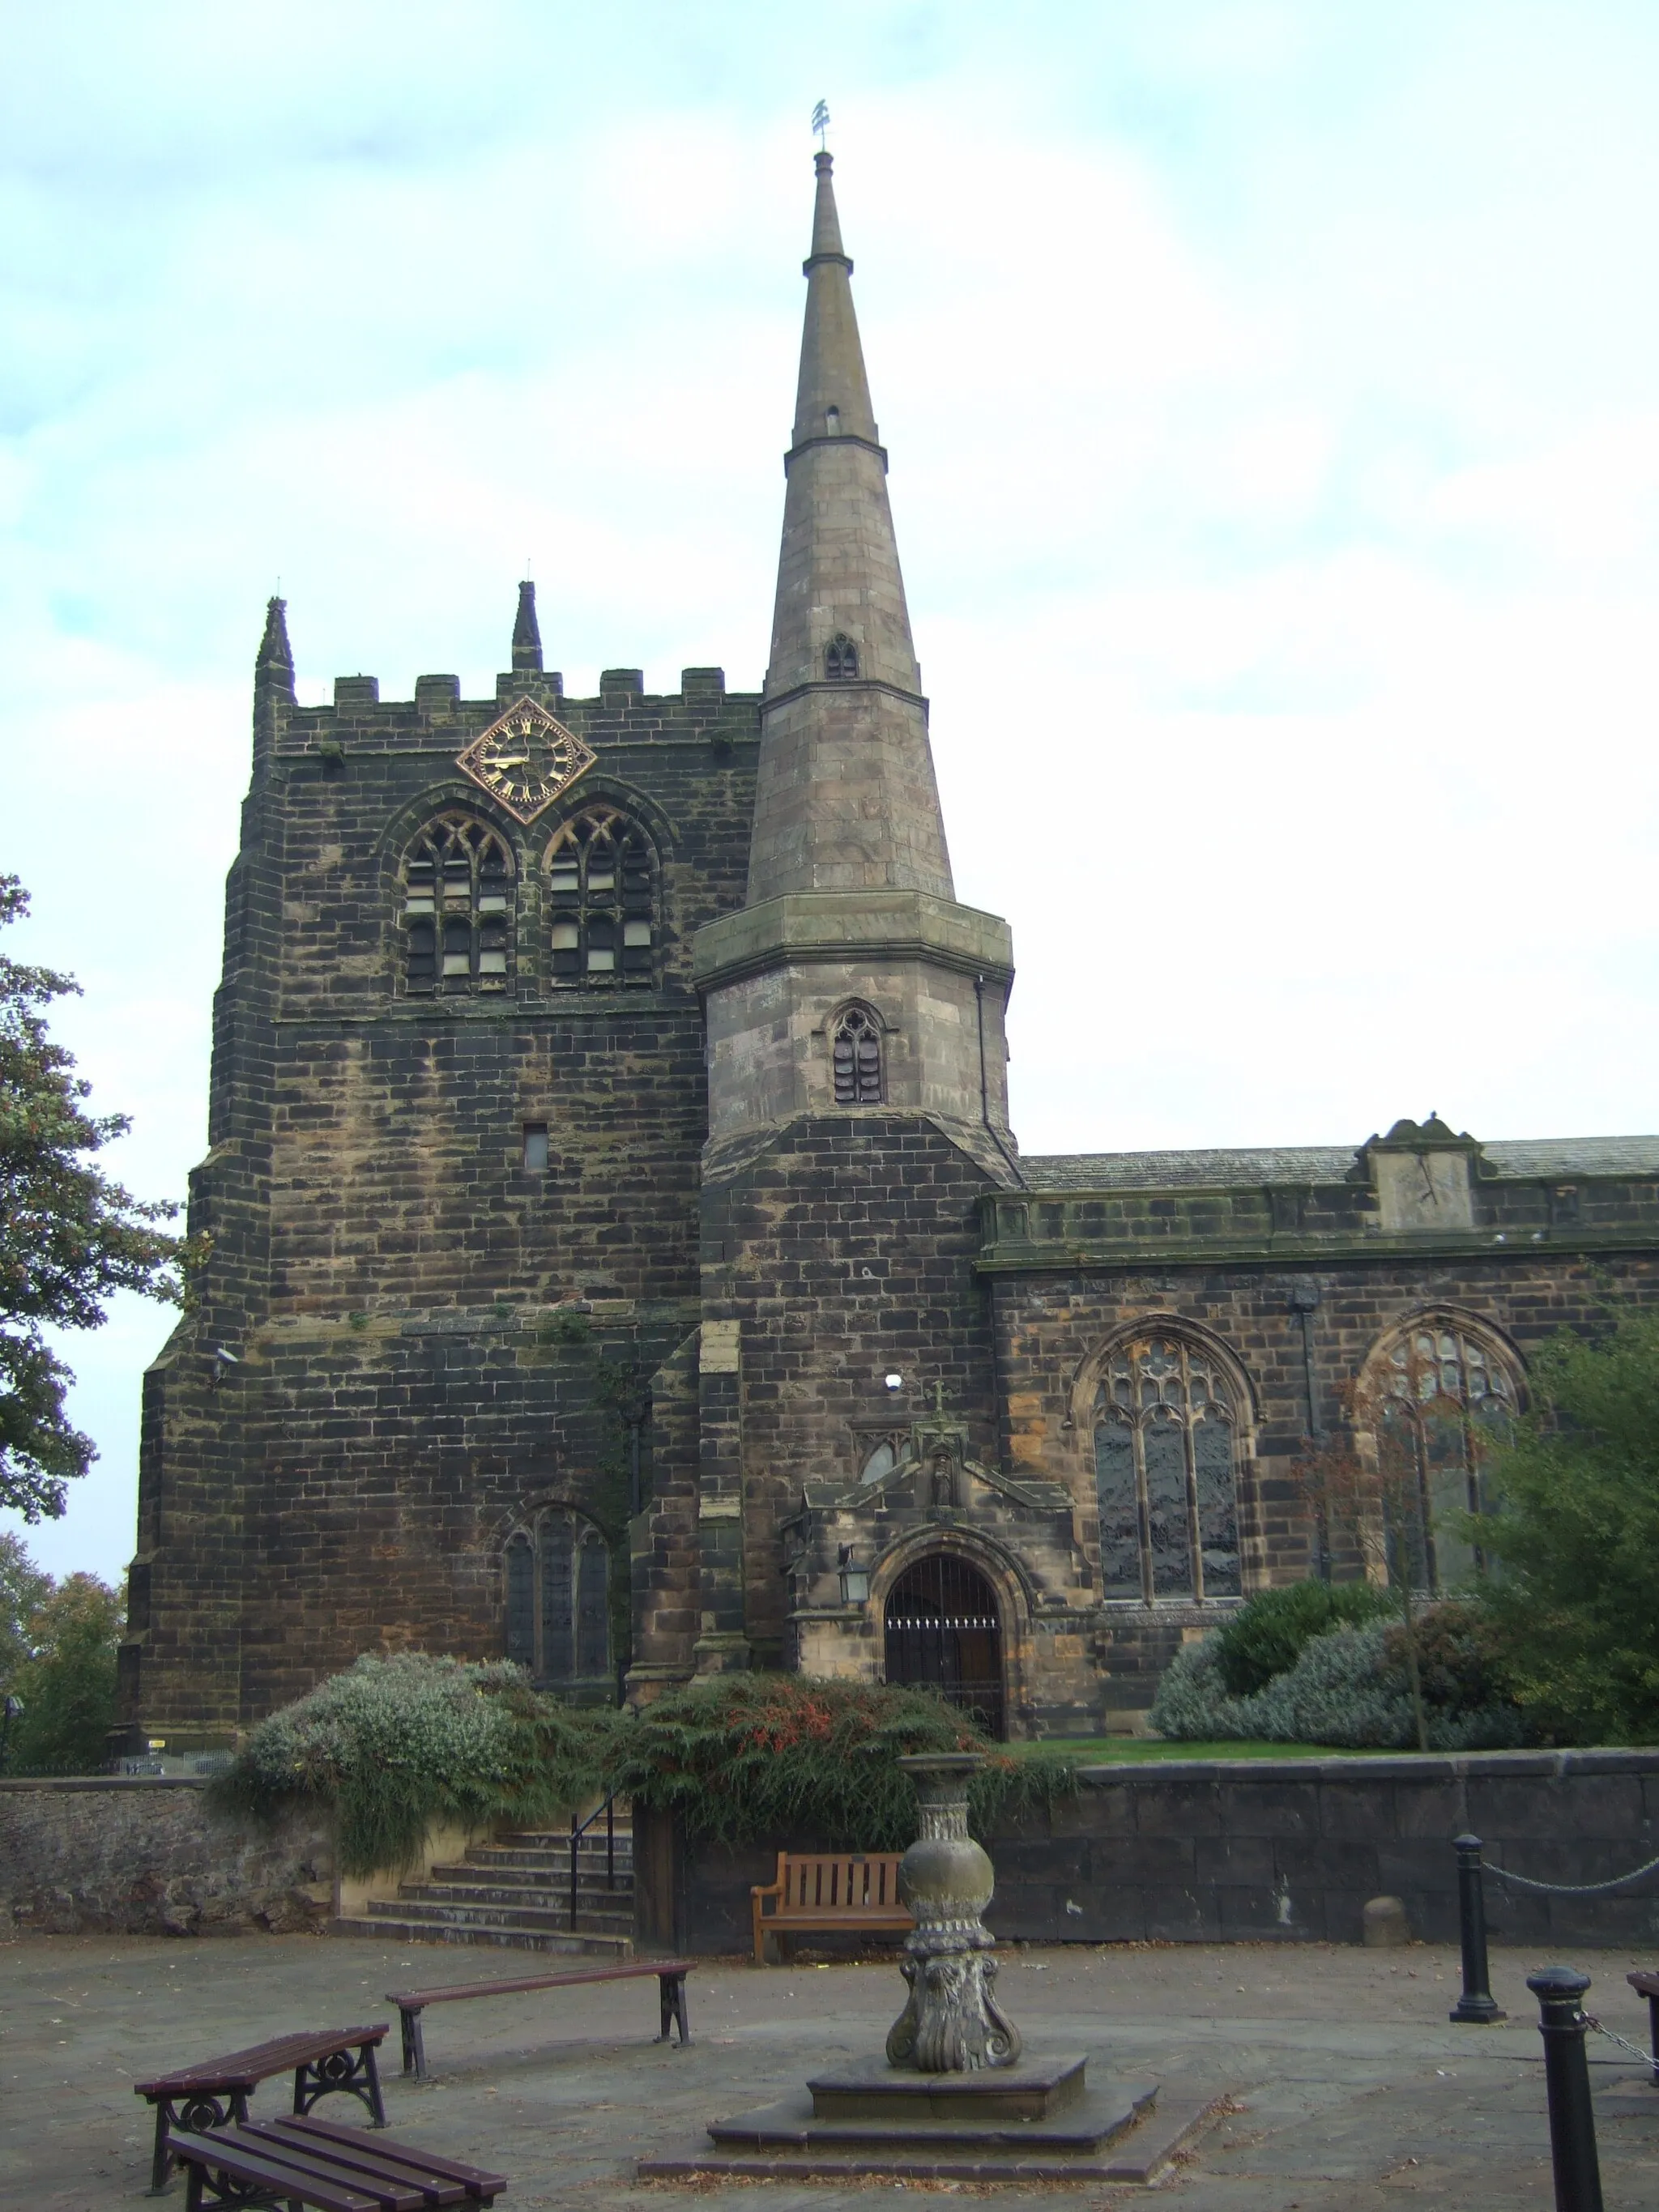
{"points": [[951, 2023]]}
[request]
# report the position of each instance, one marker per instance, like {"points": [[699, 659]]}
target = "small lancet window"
{"points": [[558, 1602], [856, 1055], [840, 659], [602, 891], [457, 907]]}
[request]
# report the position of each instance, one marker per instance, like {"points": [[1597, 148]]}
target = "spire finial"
{"points": [[527, 633]]}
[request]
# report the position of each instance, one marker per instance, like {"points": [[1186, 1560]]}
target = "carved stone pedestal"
{"points": [[951, 2023]]}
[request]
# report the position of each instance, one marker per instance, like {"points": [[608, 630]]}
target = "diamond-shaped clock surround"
{"points": [[528, 722]]}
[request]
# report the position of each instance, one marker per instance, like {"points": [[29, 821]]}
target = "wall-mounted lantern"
{"points": [[854, 1579]]}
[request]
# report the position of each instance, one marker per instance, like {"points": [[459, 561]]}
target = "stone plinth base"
{"points": [[1038, 2121]]}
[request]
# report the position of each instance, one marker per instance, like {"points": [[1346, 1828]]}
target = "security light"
{"points": [[894, 1381]]}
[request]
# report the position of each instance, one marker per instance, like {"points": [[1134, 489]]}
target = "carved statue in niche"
{"points": [[942, 1475]]}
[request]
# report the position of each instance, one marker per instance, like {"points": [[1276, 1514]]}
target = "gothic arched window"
{"points": [[840, 659], [1439, 1393], [602, 896], [457, 907], [1166, 1452], [558, 1601], [855, 1054]]}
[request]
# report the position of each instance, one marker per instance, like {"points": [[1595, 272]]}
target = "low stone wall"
{"points": [[1232, 1851], [150, 1857]]}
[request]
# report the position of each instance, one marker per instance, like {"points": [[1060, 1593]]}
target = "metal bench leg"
{"points": [[414, 2041], [160, 2166], [376, 2102], [679, 2011]]}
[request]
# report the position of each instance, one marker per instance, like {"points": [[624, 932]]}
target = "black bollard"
{"points": [[1477, 2002], [1559, 1991]]}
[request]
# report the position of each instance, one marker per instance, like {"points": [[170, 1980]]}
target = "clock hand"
{"points": [[511, 760]]}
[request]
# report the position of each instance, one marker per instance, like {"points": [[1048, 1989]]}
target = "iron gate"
{"points": [[944, 1629]]}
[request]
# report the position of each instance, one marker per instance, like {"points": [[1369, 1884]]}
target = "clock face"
{"points": [[525, 759]]}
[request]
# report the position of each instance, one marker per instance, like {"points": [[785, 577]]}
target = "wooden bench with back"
{"points": [[828, 1892]]}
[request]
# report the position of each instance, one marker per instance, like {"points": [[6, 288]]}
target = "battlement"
{"points": [[702, 712]]}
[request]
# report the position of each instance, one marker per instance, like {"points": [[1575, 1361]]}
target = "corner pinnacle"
{"points": [[527, 633]]}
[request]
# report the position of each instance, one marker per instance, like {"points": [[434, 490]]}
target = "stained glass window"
{"points": [[1447, 1394], [558, 1601], [457, 907], [1165, 1456]]}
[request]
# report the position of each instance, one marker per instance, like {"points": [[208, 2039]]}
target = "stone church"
{"points": [[622, 1260]]}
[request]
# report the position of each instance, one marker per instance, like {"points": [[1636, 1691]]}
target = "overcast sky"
{"points": [[1271, 396]]}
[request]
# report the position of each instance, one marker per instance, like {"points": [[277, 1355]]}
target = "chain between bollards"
{"points": [[1563, 2024], [1477, 2004]]}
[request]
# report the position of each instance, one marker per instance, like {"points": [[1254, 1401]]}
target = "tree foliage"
{"points": [[58, 1643], [1575, 1538], [69, 1236]]}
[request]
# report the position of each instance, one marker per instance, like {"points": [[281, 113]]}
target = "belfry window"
{"points": [[840, 659], [602, 896], [1166, 1445], [558, 1602], [457, 907], [855, 1052], [1440, 1393]]}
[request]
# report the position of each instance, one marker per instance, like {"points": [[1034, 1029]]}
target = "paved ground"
{"points": [[1358, 2093]]}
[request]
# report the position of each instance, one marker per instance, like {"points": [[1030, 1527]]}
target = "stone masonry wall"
{"points": [[152, 1857], [1248, 1851], [842, 1252]]}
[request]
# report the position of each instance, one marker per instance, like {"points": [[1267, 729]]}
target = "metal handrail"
{"points": [[578, 1830]]}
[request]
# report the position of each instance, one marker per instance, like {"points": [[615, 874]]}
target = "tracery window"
{"points": [[457, 907], [840, 659], [1166, 1454], [1441, 1393], [602, 894], [558, 1601], [855, 1053]]}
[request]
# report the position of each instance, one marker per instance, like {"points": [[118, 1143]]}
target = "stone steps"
{"points": [[515, 1893]]}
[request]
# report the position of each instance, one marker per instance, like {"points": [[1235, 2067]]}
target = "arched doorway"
{"points": [[944, 1629]]}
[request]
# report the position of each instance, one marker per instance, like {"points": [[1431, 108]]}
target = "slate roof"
{"points": [[1302, 1164]]}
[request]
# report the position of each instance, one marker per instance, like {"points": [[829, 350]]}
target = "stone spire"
{"points": [[851, 915], [845, 799], [526, 634]]}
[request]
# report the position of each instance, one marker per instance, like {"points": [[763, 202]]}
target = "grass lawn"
{"points": [[1097, 1751]]}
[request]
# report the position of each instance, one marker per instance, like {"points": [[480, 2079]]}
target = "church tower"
{"points": [[857, 1063]]}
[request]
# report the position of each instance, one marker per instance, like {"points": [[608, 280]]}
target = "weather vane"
{"points": [[821, 121]]}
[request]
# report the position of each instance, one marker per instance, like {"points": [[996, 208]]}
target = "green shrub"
{"points": [[1348, 1689], [735, 1757], [1267, 1636], [395, 1745]]}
